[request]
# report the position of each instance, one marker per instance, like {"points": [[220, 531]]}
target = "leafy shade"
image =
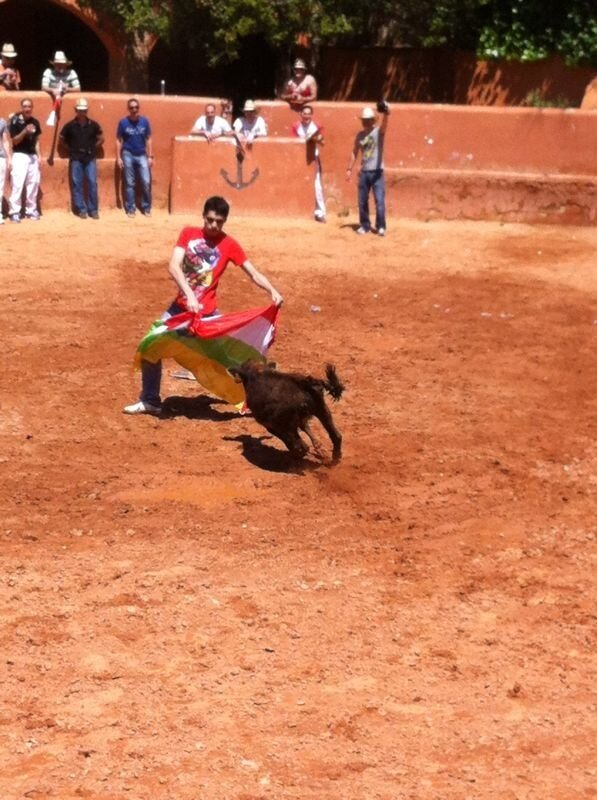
{"points": [[136, 16], [523, 30]]}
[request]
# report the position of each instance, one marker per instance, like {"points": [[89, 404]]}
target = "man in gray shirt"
{"points": [[369, 142]]}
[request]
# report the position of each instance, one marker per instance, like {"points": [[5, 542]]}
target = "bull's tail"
{"points": [[333, 386], [317, 386]]}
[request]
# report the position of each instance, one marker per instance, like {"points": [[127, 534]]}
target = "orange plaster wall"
{"points": [[445, 76], [276, 169], [440, 160], [168, 116], [462, 137]]}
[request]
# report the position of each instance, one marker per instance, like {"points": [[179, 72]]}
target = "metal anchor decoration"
{"points": [[239, 183]]}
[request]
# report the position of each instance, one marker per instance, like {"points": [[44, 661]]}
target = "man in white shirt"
{"points": [[248, 127], [210, 125]]}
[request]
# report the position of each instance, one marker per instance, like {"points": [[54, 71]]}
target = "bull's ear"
{"points": [[272, 365]]}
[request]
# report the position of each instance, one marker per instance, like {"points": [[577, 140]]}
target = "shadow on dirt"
{"points": [[270, 458], [201, 407]]}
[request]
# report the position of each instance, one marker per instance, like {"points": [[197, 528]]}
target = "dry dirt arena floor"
{"points": [[185, 616]]}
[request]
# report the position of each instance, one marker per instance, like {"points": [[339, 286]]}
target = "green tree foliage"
{"points": [[524, 30], [528, 30], [221, 25], [138, 17], [518, 29]]}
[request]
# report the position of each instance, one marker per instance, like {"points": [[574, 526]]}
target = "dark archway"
{"points": [[185, 71], [38, 28]]}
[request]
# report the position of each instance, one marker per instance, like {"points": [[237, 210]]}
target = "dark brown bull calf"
{"points": [[284, 402]]}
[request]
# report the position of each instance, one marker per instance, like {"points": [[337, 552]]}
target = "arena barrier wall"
{"points": [[473, 162]]}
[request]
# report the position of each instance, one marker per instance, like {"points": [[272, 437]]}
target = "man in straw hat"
{"points": [[58, 80], [250, 125], [10, 77], [369, 142], [82, 136], [301, 89]]}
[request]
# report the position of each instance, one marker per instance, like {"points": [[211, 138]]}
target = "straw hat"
{"points": [[60, 59], [8, 51], [300, 64], [367, 113], [249, 106], [81, 104]]}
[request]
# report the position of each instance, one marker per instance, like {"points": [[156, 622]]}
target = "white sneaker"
{"points": [[1, 220], [142, 408], [381, 231], [362, 230]]}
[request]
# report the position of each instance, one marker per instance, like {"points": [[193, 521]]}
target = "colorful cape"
{"points": [[209, 347]]}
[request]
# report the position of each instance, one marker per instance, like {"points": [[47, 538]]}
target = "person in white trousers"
{"points": [[24, 132], [5, 156], [312, 133]]}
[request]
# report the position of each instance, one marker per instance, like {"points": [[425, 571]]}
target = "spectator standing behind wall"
{"points": [[5, 156], [58, 80], [248, 127], [369, 142], [134, 155], [82, 136], [312, 133], [10, 77], [24, 131], [301, 89], [210, 126]]}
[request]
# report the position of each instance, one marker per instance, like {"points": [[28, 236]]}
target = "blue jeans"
{"points": [[151, 380], [136, 165], [79, 171], [151, 374], [372, 179]]}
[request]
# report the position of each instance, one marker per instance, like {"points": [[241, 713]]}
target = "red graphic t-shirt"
{"points": [[204, 263]]}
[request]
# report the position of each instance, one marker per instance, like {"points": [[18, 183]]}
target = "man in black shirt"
{"points": [[24, 132], [82, 136]]}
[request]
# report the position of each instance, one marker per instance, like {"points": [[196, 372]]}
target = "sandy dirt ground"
{"points": [[186, 616]]}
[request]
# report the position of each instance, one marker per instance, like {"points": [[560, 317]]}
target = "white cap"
{"points": [[367, 113], [300, 64], [249, 106], [81, 104]]}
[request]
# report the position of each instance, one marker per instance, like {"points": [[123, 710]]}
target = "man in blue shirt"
{"points": [[134, 154]]}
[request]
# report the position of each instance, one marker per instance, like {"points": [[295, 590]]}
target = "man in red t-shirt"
{"points": [[198, 261]]}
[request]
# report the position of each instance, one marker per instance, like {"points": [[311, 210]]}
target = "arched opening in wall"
{"points": [[38, 28]]}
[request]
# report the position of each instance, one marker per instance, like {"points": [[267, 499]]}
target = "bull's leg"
{"points": [[324, 416], [307, 428], [292, 440], [296, 445]]}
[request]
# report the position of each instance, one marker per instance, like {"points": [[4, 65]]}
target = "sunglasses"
{"points": [[133, 108]]}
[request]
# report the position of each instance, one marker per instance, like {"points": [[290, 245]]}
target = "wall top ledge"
{"points": [[198, 139]]}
